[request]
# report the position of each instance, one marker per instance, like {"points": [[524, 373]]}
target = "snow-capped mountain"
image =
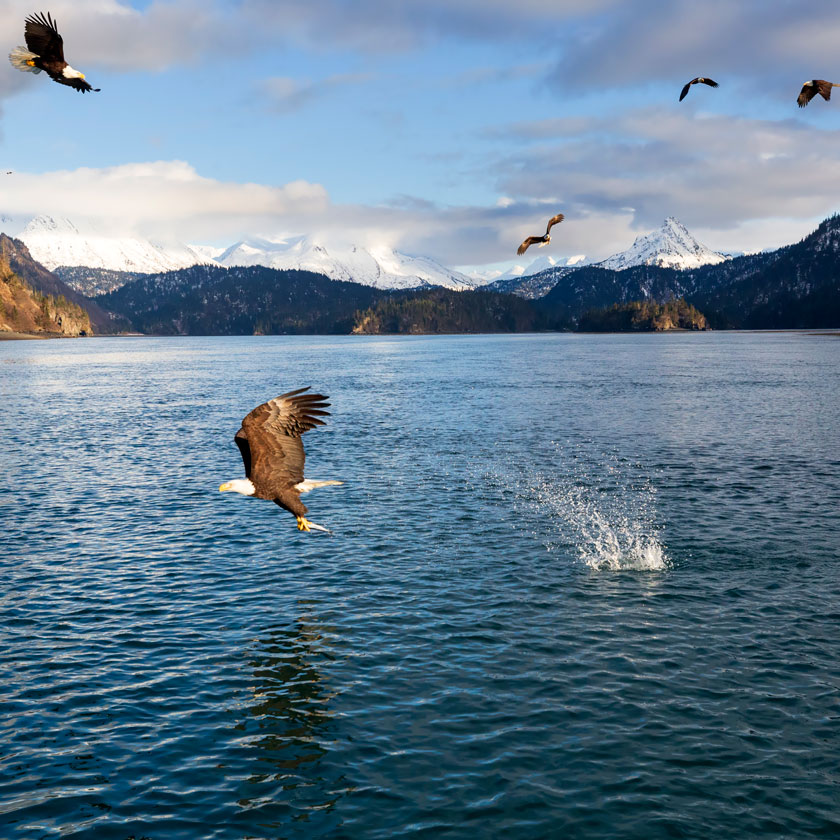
{"points": [[209, 252], [541, 263], [381, 267], [58, 242], [671, 246], [486, 277]]}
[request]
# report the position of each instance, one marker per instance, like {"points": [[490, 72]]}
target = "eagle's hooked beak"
{"points": [[81, 75], [225, 486]]}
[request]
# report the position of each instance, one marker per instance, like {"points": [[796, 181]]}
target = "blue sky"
{"points": [[445, 128]]}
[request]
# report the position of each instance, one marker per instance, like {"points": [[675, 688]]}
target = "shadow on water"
{"points": [[288, 730]]}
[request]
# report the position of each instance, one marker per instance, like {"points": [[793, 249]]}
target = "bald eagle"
{"points": [[812, 88], [272, 451], [699, 80], [543, 240], [45, 51]]}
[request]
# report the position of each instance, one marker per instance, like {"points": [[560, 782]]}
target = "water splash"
{"points": [[606, 515]]}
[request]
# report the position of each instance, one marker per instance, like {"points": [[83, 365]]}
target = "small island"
{"points": [[644, 316], [439, 311]]}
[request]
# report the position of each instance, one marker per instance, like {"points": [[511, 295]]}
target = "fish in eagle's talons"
{"points": [[542, 240], [44, 50], [272, 453], [305, 524]]}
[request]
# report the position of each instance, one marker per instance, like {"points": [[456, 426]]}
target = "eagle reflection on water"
{"points": [[290, 724]]}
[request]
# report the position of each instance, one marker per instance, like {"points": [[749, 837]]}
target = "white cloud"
{"points": [[164, 199], [715, 173], [116, 36], [169, 200]]}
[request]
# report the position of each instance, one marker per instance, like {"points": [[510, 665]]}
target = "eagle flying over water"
{"points": [[44, 50], [698, 80], [272, 451], [812, 88], [543, 240]]}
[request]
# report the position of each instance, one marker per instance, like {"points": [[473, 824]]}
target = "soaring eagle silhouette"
{"points": [[543, 240], [812, 88], [272, 451], [699, 80], [45, 51]]}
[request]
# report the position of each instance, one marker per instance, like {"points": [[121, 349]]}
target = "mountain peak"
{"points": [[49, 224], [379, 266], [670, 246], [56, 242]]}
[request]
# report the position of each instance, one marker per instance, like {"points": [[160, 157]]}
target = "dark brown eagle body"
{"points": [[812, 88], [272, 452], [541, 240], [45, 51], [700, 80]]}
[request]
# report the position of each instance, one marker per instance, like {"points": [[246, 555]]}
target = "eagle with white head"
{"points": [[44, 50], [272, 452]]}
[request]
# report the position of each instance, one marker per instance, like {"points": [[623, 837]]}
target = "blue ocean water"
{"points": [[580, 586]]}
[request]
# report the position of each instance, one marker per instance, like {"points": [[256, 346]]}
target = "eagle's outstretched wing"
{"points": [[701, 80], [554, 220], [77, 84], [808, 92], [527, 244], [42, 37], [824, 89], [270, 443], [241, 440]]}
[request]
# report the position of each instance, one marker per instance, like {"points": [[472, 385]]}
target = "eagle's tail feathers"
{"points": [[21, 58]]}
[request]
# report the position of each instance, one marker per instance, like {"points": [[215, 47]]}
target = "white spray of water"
{"points": [[611, 532], [607, 515]]}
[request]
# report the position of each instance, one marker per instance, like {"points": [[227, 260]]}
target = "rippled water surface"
{"points": [[579, 586]]}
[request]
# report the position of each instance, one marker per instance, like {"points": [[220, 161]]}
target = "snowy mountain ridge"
{"points": [[543, 263], [670, 246], [381, 267], [58, 242]]}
